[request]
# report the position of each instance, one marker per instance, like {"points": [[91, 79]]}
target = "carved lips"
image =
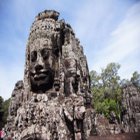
{"points": [[42, 80], [41, 75]]}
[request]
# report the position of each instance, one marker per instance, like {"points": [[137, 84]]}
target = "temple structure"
{"points": [[53, 102]]}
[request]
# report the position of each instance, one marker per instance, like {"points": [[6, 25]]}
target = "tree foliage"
{"points": [[6, 108], [4, 105], [1, 112], [135, 79], [106, 90]]}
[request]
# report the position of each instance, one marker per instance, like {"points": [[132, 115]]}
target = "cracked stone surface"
{"points": [[53, 102], [131, 109]]}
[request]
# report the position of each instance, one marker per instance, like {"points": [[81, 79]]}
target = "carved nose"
{"points": [[39, 64], [38, 67]]}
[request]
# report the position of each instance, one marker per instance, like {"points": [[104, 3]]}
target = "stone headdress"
{"points": [[71, 69]]}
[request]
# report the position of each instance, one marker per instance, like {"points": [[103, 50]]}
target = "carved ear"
{"points": [[55, 49], [57, 41]]}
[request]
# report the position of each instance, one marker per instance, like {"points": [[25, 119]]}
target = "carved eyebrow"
{"points": [[44, 50], [46, 46]]}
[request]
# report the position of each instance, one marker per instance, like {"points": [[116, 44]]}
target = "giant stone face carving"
{"points": [[55, 99], [41, 65]]}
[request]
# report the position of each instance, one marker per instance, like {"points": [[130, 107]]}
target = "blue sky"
{"points": [[109, 31]]}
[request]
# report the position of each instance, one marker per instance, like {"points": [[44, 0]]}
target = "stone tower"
{"points": [[53, 102]]}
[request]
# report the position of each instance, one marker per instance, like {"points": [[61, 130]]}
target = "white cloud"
{"points": [[93, 23], [11, 64], [123, 44], [8, 77], [90, 17]]}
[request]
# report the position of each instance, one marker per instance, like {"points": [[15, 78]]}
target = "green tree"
{"points": [[5, 109], [4, 105], [1, 112], [106, 90], [135, 79], [95, 79]]}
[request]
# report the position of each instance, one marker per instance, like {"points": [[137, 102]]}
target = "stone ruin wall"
{"points": [[131, 109]]}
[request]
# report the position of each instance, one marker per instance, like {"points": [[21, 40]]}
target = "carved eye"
{"points": [[45, 54], [33, 56]]}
